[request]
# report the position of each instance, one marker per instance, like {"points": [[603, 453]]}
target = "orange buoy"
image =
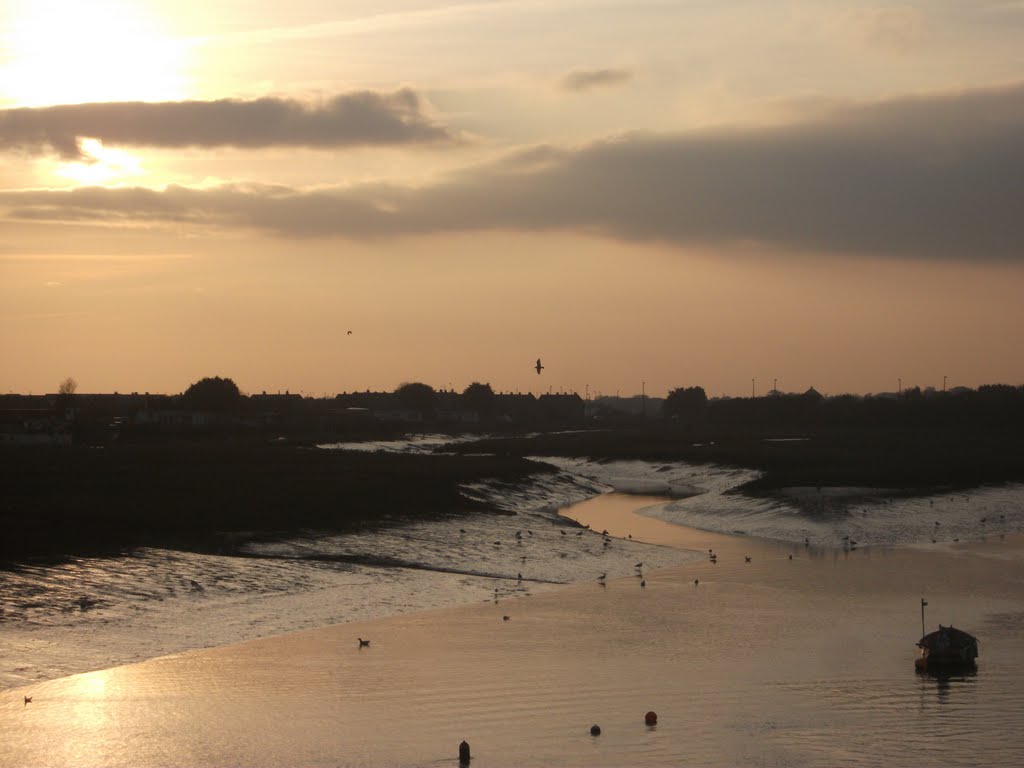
{"points": [[651, 718]]}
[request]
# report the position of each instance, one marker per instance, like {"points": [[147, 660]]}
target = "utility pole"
{"points": [[643, 398], [944, 383], [899, 386], [752, 388], [923, 604], [775, 386]]}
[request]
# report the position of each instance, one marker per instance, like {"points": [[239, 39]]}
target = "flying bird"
{"points": [[350, 333], [364, 643], [28, 700], [539, 367]]}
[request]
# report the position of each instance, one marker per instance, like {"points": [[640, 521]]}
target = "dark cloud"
{"points": [[359, 118], [585, 79], [936, 177]]}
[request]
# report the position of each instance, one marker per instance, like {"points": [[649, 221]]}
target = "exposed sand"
{"points": [[779, 661]]}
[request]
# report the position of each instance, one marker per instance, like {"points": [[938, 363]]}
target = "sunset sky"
{"points": [[675, 192]]}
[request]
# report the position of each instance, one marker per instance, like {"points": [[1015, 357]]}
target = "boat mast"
{"points": [[923, 604]]}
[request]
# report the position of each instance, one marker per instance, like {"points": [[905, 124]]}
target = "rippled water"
{"points": [[779, 661], [93, 613]]}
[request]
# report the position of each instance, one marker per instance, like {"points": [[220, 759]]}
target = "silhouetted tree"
{"points": [[65, 397], [418, 397], [212, 394], [685, 403], [480, 398]]}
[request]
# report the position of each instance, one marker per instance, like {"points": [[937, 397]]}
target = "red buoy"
{"points": [[651, 718]]}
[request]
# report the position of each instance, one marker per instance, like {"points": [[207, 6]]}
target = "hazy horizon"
{"points": [[823, 193]]}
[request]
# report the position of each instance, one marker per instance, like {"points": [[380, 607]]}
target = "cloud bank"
{"points": [[586, 79], [926, 177], [358, 118]]}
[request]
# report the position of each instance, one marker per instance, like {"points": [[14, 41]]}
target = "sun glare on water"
{"points": [[80, 51]]}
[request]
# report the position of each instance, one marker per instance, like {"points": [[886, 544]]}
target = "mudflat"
{"points": [[801, 656]]}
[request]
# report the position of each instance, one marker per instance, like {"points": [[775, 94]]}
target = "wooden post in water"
{"points": [[923, 604]]}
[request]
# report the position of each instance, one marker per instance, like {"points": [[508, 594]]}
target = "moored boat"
{"points": [[947, 647]]}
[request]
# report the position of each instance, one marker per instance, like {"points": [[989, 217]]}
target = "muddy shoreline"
{"points": [[212, 497]]}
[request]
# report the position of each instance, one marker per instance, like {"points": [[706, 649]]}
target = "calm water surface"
{"points": [[776, 662]]}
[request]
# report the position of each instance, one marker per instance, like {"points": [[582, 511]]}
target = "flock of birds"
{"points": [[602, 579]]}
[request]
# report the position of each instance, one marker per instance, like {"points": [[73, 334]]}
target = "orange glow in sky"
{"points": [[674, 193]]}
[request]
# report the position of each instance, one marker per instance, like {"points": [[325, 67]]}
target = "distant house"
{"points": [[383, 407], [813, 395], [32, 426], [563, 410], [449, 409], [516, 409]]}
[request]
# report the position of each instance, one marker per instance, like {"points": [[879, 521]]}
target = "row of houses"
{"points": [[56, 419]]}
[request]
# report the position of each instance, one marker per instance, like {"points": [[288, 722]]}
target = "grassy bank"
{"points": [[207, 496]]}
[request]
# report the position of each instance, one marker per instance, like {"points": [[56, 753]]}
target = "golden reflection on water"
{"points": [[779, 661]]}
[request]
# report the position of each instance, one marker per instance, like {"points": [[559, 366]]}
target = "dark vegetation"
{"points": [[212, 394], [209, 468], [208, 496], [914, 440], [881, 458]]}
